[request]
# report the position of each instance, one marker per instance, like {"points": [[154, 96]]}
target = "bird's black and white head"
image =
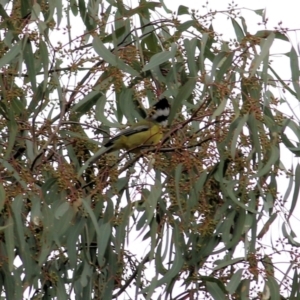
{"points": [[160, 112]]}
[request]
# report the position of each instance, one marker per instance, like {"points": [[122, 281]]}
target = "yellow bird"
{"points": [[145, 132]]}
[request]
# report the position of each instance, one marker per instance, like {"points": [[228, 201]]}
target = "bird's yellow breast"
{"points": [[152, 136]]}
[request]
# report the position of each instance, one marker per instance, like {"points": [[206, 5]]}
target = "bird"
{"points": [[148, 131]]}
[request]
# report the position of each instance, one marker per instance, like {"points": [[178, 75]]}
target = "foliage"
{"points": [[186, 219]]}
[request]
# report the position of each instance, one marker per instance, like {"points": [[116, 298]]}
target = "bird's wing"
{"points": [[127, 132]]}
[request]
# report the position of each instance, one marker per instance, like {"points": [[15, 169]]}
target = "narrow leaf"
{"points": [[296, 190], [184, 93], [9, 242], [190, 47], [61, 210], [11, 54], [237, 132], [219, 109], [29, 61], [157, 60], [274, 155], [294, 64], [92, 215], [238, 30], [216, 292], [274, 288], [2, 197], [235, 281], [102, 241], [183, 10], [264, 52], [111, 58]]}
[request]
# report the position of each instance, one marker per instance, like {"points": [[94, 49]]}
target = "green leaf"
{"points": [[88, 101], [267, 225], [35, 12], [224, 263], [60, 285], [204, 41], [17, 206], [45, 61], [190, 47], [237, 132], [62, 209], [224, 67], [85, 275], [152, 287], [3, 13], [17, 106], [177, 180], [29, 61], [265, 48], [294, 127], [295, 286], [92, 159], [11, 54], [2, 197], [243, 289], [85, 16], [18, 290], [225, 229], [158, 59], [102, 241], [230, 191], [13, 172], [121, 229], [100, 104], [150, 5], [183, 10], [111, 58], [296, 190], [184, 93], [260, 12], [168, 11], [9, 242], [73, 235], [289, 145], [216, 292], [59, 12], [294, 64], [141, 222], [34, 102], [74, 7], [186, 25], [238, 30], [119, 32], [289, 236], [238, 230], [151, 202], [219, 109], [217, 62], [244, 24], [235, 281], [274, 288], [253, 128], [177, 263], [274, 156], [159, 261], [282, 82], [268, 264], [126, 105], [89, 210]]}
